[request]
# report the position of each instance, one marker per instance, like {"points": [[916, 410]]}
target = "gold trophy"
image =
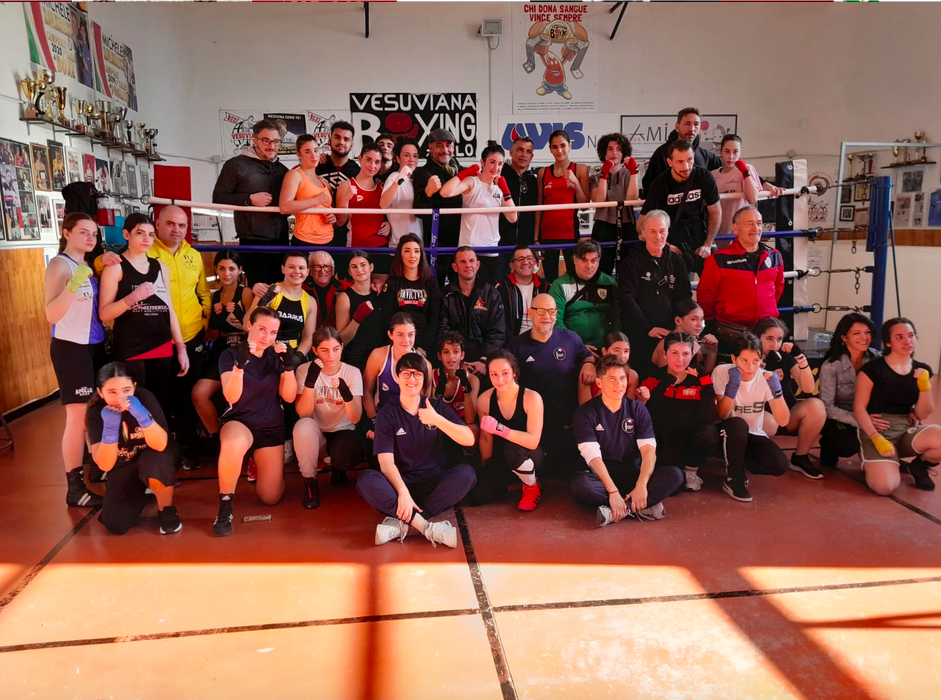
{"points": [[151, 144], [897, 151], [129, 134], [850, 157], [60, 100], [44, 80], [102, 112], [921, 153], [29, 88], [142, 135], [115, 118]]}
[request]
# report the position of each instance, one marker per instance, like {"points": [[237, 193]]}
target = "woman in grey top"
{"points": [[849, 351]]}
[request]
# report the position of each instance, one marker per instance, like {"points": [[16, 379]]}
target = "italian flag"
{"points": [[39, 52]]}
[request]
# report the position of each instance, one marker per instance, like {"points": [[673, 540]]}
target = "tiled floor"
{"points": [[815, 590]]}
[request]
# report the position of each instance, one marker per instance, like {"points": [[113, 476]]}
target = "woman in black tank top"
{"points": [[226, 329], [511, 419], [360, 326], [135, 296]]}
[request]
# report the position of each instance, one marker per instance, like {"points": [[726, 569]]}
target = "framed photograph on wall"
{"points": [[118, 181], [847, 212], [912, 180], [18, 203], [902, 215], [861, 217], [131, 177], [44, 212], [861, 192], [145, 182], [57, 165], [73, 164], [88, 167], [102, 176], [40, 159], [846, 195]]}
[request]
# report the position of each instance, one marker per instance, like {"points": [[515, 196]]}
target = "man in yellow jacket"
{"points": [[192, 302]]}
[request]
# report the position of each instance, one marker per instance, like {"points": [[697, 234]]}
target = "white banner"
{"points": [[554, 65], [647, 132], [583, 129], [237, 128]]}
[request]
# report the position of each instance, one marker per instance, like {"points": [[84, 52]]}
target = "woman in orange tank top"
{"points": [[304, 189]]}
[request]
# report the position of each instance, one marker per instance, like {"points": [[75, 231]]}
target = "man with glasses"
{"points": [[741, 282], [254, 179], [427, 180], [521, 179], [552, 362], [322, 284], [519, 289], [337, 167]]}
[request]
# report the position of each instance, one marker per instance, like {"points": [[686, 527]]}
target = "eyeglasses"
{"points": [[321, 267], [411, 374], [542, 312], [524, 258], [269, 142]]}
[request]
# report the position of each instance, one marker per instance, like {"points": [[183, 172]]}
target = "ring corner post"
{"points": [[433, 248], [877, 243]]}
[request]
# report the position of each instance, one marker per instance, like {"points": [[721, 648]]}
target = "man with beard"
{"points": [[427, 180], [338, 167], [688, 127]]}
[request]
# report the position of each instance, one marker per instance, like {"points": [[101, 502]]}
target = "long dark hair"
{"points": [[838, 345], [234, 257], [68, 223], [398, 267], [109, 371], [885, 333]]}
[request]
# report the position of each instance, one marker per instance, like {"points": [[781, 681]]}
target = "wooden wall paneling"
{"points": [[25, 367]]}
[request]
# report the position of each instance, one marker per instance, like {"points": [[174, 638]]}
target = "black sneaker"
{"points": [[190, 464], [223, 524], [922, 472], [802, 464], [95, 475], [737, 490], [828, 459], [169, 521], [338, 477], [78, 495], [311, 493]]}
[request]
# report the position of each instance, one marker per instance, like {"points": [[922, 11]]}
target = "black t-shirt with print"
{"points": [[686, 202], [131, 440]]}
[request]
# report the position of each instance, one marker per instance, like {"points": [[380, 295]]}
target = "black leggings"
{"points": [[126, 496], [763, 456], [727, 439], [494, 477], [838, 440]]}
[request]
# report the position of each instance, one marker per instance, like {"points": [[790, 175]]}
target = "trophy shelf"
{"points": [[910, 164]]}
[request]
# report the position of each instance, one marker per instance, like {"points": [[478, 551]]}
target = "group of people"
{"points": [[455, 393]]}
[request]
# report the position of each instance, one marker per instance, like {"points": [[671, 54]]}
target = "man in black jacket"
{"points": [[474, 309], [427, 180], [651, 281], [524, 186], [518, 290], [254, 179], [688, 126]]}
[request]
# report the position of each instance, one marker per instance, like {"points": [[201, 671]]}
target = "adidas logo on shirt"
{"points": [[530, 359], [599, 427], [401, 431]]}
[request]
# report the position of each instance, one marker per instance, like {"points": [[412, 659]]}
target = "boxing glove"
{"points": [[243, 354], [735, 381], [310, 381], [742, 167], [140, 413], [924, 381], [775, 385], [606, 169], [883, 446], [287, 357], [363, 311], [504, 188], [631, 165], [110, 426], [344, 390]]}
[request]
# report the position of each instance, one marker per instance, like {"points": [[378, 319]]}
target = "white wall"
{"points": [[801, 76]]}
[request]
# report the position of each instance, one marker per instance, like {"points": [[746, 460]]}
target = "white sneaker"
{"points": [[603, 516], [654, 512], [443, 533], [693, 480], [391, 529]]}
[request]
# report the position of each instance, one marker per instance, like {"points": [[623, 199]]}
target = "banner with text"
{"points": [[237, 128], [647, 132], [417, 115], [583, 129], [114, 68], [57, 33], [554, 65]]}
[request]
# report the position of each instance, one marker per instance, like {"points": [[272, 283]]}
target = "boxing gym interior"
{"points": [[817, 588]]}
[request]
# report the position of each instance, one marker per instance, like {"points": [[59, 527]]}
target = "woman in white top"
{"points": [[742, 389], [483, 186], [398, 192]]}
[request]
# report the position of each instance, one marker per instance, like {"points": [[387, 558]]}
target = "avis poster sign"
{"points": [[417, 115], [554, 64], [583, 129]]}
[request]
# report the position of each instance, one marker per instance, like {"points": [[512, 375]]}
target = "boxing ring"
{"points": [[792, 238]]}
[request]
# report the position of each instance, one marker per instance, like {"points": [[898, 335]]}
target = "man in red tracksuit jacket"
{"points": [[742, 282]]}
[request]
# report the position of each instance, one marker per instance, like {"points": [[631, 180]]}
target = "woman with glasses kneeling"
{"points": [[415, 483]]}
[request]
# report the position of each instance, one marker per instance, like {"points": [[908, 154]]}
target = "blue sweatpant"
{"points": [[434, 495]]}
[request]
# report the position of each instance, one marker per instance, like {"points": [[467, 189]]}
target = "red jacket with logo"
{"points": [[729, 291]]}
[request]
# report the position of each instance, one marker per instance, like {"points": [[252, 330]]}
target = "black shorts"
{"points": [[75, 367], [266, 437]]}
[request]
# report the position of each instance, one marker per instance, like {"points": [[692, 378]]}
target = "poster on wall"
{"points": [[583, 129], [102, 176], [554, 64], [820, 210], [18, 203], [44, 213], [237, 128], [114, 68], [131, 173], [118, 181], [57, 164], [40, 158], [144, 182], [58, 37], [417, 115], [647, 132]]}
